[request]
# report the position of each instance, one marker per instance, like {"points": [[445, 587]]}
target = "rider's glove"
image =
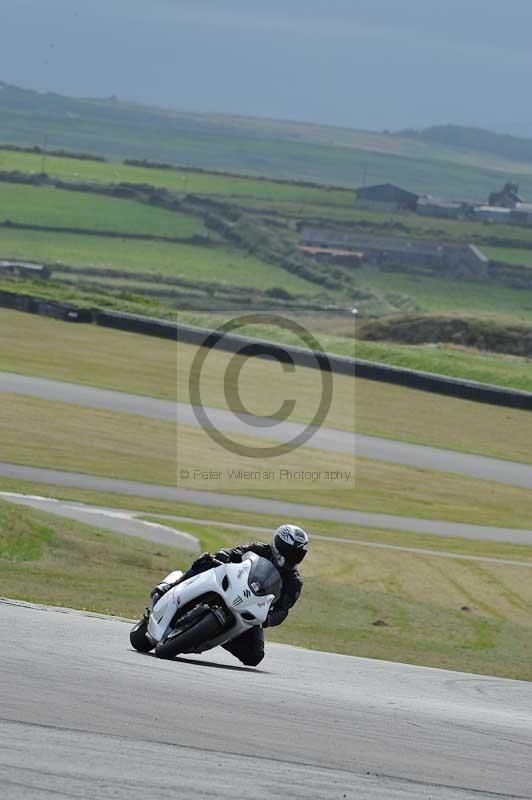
{"points": [[275, 617], [202, 563]]}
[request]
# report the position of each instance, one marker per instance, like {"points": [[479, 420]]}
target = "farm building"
{"points": [[508, 197], [24, 269], [432, 207], [522, 214], [397, 252], [385, 197], [332, 255], [492, 214]]}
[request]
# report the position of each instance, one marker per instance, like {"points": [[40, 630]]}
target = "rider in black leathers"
{"points": [[288, 548]]}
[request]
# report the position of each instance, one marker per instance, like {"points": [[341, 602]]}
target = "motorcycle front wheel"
{"points": [[138, 638], [179, 642]]}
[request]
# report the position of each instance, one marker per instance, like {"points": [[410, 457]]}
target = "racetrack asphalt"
{"points": [[254, 505], [84, 715], [328, 439]]}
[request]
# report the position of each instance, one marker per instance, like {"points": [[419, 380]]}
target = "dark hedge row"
{"points": [[60, 153], [482, 334]]}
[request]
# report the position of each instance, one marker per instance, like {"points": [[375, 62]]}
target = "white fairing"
{"points": [[238, 598], [173, 576]]}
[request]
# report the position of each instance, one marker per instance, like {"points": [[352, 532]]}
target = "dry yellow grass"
{"points": [[437, 612], [498, 591], [61, 436], [144, 365]]}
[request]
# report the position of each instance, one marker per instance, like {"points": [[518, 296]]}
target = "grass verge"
{"points": [[377, 604], [51, 560]]}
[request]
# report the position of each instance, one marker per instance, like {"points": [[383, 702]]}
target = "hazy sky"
{"points": [[368, 64]]}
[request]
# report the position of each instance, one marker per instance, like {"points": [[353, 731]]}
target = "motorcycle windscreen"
{"points": [[263, 578]]}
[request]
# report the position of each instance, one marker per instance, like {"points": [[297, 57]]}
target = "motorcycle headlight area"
{"points": [[264, 578]]}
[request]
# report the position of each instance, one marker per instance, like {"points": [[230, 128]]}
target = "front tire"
{"points": [[138, 638], [206, 628]]}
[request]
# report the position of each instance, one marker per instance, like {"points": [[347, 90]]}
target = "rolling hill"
{"points": [[326, 154]]}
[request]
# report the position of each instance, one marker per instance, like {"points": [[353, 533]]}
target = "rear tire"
{"points": [[138, 638], [206, 628]]}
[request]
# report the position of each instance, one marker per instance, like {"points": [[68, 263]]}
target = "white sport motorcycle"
{"points": [[210, 608]]}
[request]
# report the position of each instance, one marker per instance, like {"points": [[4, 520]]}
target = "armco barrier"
{"points": [[46, 308], [136, 324], [19, 302], [343, 365], [49, 308]]}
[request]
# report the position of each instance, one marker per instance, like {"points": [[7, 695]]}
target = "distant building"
{"points": [[432, 207], [385, 197], [332, 255], [492, 214], [522, 214], [399, 252], [24, 269], [508, 197]]}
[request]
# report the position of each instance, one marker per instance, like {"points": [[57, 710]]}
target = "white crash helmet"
{"points": [[289, 545]]}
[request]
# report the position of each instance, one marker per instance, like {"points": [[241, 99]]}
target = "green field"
{"points": [[269, 193], [179, 180], [32, 205], [224, 264], [441, 294], [510, 255], [292, 200], [439, 612]]}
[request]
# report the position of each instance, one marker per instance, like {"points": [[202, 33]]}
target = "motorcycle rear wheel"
{"points": [[206, 628]]}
